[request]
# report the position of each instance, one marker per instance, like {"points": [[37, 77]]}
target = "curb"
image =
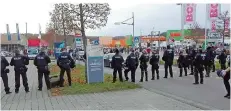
{"points": [[183, 100]]}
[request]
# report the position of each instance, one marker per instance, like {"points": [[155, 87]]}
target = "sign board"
{"points": [[96, 42], [58, 46], [214, 35], [136, 39], [95, 72], [78, 41]]}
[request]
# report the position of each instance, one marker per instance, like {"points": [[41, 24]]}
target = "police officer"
{"points": [[41, 61], [208, 61], [192, 57], [64, 62], [4, 71], [117, 64], [132, 63], [213, 58], [222, 59], [19, 62], [137, 53], [198, 67], [168, 58], [154, 61], [144, 58], [182, 64]]}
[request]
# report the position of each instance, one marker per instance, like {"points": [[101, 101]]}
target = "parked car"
{"points": [[108, 59]]}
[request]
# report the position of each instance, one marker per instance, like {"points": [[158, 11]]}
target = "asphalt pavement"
{"points": [[205, 96]]}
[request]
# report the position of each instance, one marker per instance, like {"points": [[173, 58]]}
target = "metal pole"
{"points": [[64, 30], [26, 34], [133, 26], [159, 40], [206, 27], [182, 21]]}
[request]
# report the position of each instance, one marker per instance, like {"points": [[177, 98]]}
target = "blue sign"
{"points": [[136, 39], [95, 69], [96, 42], [58, 46], [78, 42]]}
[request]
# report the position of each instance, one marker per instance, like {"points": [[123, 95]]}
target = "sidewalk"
{"points": [[138, 99]]}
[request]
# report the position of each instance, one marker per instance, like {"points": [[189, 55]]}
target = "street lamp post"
{"points": [[133, 25], [182, 20]]}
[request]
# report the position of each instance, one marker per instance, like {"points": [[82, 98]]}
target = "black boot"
{"points": [[196, 83], [201, 81], [157, 75], [8, 92], [16, 90], [114, 80]]}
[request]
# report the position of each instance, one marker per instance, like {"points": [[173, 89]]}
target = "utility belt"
{"points": [[44, 69], [5, 70], [22, 69], [65, 65]]}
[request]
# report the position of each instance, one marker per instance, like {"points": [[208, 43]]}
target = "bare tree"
{"points": [[71, 17], [61, 20], [196, 31], [220, 23]]}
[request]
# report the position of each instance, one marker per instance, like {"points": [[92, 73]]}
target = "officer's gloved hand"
{"points": [[7, 71]]}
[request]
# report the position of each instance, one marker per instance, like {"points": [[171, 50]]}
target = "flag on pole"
{"points": [[17, 29], [8, 32], [40, 35], [189, 13], [205, 44]]}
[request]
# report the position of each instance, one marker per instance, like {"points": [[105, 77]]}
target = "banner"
{"points": [[227, 23], [213, 10], [95, 68], [213, 25], [8, 32], [176, 34], [189, 13], [40, 34], [17, 29]]}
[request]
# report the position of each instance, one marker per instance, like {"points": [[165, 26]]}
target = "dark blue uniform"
{"points": [[4, 64], [144, 58], [168, 58], [64, 62], [191, 59], [132, 63], [154, 61], [19, 62], [208, 61], [182, 64], [198, 64], [41, 61], [117, 64], [222, 60]]}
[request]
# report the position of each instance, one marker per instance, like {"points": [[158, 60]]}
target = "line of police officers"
{"points": [[41, 61], [195, 59]]}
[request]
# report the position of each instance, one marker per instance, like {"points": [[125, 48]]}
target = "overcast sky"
{"points": [[147, 15]]}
